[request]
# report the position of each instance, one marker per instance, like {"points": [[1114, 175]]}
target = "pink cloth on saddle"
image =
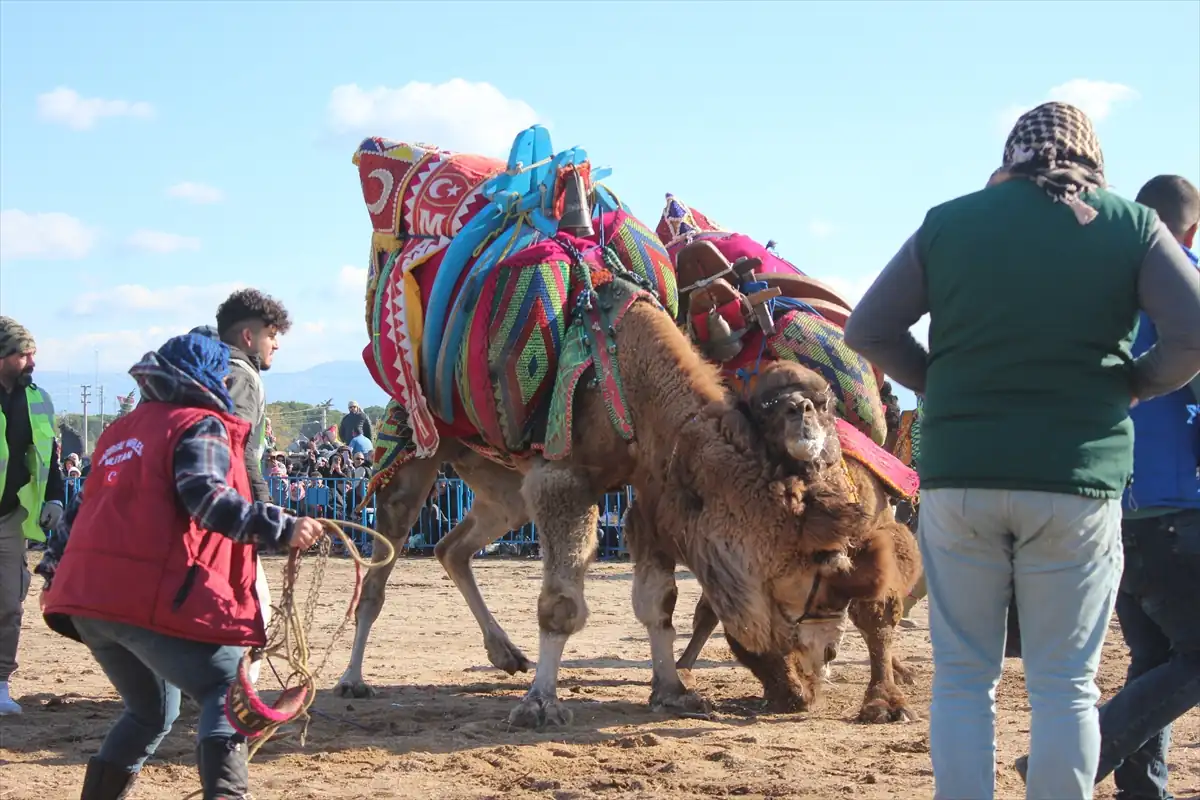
{"points": [[882, 464]]}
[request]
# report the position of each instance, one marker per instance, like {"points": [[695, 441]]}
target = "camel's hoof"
{"points": [[357, 689], [879, 711], [681, 703], [537, 712], [507, 656]]}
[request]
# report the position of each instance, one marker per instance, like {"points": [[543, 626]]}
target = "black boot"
{"points": [[224, 773], [103, 781]]}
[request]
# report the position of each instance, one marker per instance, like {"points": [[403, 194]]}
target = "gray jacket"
{"points": [[250, 403]]}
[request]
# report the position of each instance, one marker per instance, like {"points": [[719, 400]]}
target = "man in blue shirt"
{"points": [[1159, 598]]}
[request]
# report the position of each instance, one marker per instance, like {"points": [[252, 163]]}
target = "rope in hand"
{"points": [[287, 641]]}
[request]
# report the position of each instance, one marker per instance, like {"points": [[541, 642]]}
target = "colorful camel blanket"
{"points": [[474, 295], [900, 480], [802, 334]]}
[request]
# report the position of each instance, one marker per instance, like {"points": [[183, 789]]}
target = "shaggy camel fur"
{"points": [[788, 682], [707, 494]]}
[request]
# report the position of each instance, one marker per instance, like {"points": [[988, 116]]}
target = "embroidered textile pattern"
{"points": [[394, 447], [641, 252], [817, 343], [508, 363], [418, 198]]}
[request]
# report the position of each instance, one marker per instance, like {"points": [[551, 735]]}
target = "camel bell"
{"points": [[576, 217], [722, 344]]}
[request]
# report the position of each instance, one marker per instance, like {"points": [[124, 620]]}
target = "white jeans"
{"points": [[263, 591], [1062, 557]]}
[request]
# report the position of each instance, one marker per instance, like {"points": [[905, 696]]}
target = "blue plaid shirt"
{"points": [[202, 460]]}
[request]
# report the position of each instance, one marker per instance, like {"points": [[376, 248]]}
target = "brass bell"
{"points": [[722, 345], [576, 217]]}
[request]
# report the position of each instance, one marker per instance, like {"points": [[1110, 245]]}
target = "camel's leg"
{"points": [[884, 701], [654, 596], [396, 506], [497, 509], [563, 504], [704, 622]]}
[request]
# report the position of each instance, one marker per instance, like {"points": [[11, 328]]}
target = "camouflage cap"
{"points": [[15, 338]]}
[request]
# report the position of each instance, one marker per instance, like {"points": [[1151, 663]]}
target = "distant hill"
{"points": [[341, 380]]}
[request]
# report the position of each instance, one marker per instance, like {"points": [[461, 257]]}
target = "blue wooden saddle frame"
{"points": [[518, 216]]}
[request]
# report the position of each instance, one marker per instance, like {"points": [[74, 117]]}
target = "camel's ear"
{"points": [[737, 596]]}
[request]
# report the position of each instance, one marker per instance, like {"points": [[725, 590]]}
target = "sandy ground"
{"points": [[438, 730]]}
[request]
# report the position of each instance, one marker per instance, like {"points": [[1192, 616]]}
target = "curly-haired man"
{"points": [[251, 323]]}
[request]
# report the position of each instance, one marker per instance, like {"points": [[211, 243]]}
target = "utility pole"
{"points": [[328, 404], [84, 392], [101, 409]]}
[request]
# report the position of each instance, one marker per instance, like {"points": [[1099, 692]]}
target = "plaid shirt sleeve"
{"points": [[202, 460]]}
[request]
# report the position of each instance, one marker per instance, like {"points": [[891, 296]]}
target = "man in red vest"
{"points": [[154, 566]]}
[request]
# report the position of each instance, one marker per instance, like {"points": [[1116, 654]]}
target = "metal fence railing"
{"points": [[337, 498]]}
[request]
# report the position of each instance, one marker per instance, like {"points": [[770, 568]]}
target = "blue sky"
{"points": [[152, 155]]}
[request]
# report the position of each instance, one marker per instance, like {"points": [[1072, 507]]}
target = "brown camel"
{"points": [[788, 683], [760, 575], [709, 496]]}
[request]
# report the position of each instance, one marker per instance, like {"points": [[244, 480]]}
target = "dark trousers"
{"points": [[148, 670], [1159, 611]]}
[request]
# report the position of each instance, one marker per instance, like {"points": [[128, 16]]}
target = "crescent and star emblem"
{"points": [[443, 189]]}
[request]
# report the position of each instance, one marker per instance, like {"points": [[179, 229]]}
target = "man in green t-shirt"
{"points": [[1033, 286]]}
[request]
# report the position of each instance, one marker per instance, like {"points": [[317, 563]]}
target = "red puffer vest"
{"points": [[135, 555]]}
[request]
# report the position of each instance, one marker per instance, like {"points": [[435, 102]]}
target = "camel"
{"points": [[808, 621], [788, 688], [708, 496]]}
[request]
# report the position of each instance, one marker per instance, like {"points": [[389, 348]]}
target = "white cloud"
{"points": [[456, 115], [67, 107], [820, 228], [133, 298], [196, 192], [352, 280], [160, 242], [43, 236], [1094, 98]]}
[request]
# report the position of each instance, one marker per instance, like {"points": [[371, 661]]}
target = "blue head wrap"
{"points": [[204, 360]]}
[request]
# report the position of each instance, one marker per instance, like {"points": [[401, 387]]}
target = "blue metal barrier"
{"points": [[337, 498]]}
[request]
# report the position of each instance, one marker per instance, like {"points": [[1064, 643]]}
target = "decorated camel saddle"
{"points": [[742, 304], [492, 289]]}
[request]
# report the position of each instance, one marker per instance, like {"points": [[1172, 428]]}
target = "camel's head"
{"points": [[807, 598], [792, 407]]}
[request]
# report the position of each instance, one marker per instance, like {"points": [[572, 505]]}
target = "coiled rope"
{"points": [[287, 642]]}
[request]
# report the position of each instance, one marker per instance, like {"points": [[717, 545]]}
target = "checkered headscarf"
{"points": [[1055, 146]]}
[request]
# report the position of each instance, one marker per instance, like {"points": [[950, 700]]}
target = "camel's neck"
{"points": [[666, 381]]}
